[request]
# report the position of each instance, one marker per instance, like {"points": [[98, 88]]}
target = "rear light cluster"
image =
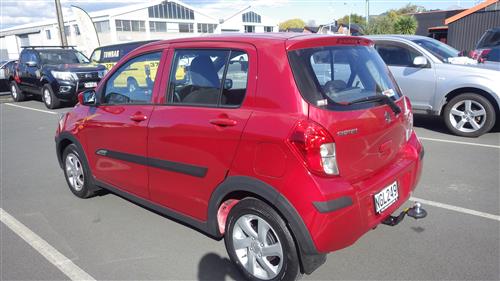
{"points": [[408, 117], [316, 147], [480, 55]]}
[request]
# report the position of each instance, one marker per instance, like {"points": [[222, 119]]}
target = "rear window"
{"points": [[490, 39], [335, 76]]}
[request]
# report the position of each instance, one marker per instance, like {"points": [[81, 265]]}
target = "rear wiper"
{"points": [[380, 98]]}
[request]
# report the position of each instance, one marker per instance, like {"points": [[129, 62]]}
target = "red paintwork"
{"points": [[256, 144]]}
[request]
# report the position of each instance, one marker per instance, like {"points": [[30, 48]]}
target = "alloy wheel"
{"points": [[74, 172], [13, 90], [47, 97], [257, 247], [467, 116]]}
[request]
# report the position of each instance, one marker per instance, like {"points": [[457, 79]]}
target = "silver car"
{"points": [[467, 97]]}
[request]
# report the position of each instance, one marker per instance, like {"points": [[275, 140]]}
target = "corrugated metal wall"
{"points": [[432, 19], [464, 33]]}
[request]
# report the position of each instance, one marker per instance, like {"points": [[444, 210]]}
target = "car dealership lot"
{"points": [[108, 237]]}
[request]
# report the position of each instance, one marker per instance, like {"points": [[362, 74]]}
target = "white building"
{"points": [[156, 19]]}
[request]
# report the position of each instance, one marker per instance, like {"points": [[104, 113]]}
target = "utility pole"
{"points": [[367, 12], [60, 23]]}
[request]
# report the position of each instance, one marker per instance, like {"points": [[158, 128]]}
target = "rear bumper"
{"points": [[340, 221]]}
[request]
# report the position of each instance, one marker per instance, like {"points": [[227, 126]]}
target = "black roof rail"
{"points": [[41, 47]]}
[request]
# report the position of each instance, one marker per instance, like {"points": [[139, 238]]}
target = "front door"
{"points": [[416, 82], [117, 128], [194, 136]]}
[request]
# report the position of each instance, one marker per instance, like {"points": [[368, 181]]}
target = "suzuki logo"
{"points": [[387, 117]]}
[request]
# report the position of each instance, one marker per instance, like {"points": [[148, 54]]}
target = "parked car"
{"points": [[442, 51], [486, 44], [491, 59], [285, 168], [55, 73], [466, 97], [6, 74]]}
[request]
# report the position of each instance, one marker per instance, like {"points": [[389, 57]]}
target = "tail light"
{"points": [[408, 115], [483, 56], [316, 147]]}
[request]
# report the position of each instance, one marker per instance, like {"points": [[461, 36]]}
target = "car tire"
{"points": [[256, 231], [49, 99], [77, 173], [16, 93], [469, 115]]}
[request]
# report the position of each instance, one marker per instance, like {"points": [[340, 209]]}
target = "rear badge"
{"points": [[347, 132]]}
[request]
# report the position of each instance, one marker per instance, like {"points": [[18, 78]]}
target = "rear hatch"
{"points": [[352, 94]]}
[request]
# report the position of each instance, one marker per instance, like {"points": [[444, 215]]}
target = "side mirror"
{"points": [[31, 63], [228, 84], [87, 97], [420, 61]]}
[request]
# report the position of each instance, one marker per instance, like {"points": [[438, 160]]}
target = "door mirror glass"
{"points": [[228, 84], [420, 61], [31, 63], [87, 97]]}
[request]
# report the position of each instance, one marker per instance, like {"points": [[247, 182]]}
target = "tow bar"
{"points": [[416, 212]]}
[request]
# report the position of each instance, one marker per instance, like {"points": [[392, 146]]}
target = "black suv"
{"points": [[58, 74]]}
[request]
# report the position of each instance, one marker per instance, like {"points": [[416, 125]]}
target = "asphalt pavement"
{"points": [[110, 238]]}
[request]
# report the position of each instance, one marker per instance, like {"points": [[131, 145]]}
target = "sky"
{"points": [[16, 12]]}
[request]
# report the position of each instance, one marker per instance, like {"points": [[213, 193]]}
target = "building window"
{"points": [[47, 34], [268, 29], [77, 30], [206, 27], [102, 26], [249, 29], [251, 17], [130, 25], [170, 10], [67, 31], [185, 27], [157, 26]]}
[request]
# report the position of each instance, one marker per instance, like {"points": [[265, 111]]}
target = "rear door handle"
{"points": [[223, 122], [138, 117]]}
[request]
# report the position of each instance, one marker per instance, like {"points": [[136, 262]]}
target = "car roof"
{"points": [[257, 38], [398, 36], [127, 44]]}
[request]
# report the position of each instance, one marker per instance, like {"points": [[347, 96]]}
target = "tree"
{"points": [[409, 9], [292, 23], [355, 18], [405, 25], [381, 25]]}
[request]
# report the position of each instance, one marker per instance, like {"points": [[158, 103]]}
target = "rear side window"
{"points": [[335, 76], [133, 82], [395, 55], [208, 78]]}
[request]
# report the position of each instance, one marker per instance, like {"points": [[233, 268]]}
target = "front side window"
{"points": [[395, 55], [341, 74], [133, 82], [208, 77]]}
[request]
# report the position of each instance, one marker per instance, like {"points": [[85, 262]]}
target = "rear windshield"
{"points": [[62, 57], [490, 39], [335, 76], [113, 54]]}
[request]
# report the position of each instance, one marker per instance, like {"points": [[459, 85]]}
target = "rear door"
{"points": [[418, 83], [193, 137], [117, 129]]}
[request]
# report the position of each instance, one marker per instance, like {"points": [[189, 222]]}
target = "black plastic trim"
{"points": [[188, 169], [186, 220], [422, 153], [333, 205], [311, 259]]}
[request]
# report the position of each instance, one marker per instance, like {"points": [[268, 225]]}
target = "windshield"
{"points": [[62, 57], [440, 50], [338, 75]]}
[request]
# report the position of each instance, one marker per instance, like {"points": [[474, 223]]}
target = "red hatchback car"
{"points": [[288, 146]]}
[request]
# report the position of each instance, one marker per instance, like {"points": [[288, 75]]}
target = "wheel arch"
{"points": [[456, 92], [238, 187], [65, 139]]}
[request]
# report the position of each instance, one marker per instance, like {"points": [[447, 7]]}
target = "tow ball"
{"points": [[416, 212]]}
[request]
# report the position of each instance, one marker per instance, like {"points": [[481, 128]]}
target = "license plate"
{"points": [[90, 84], [386, 197]]}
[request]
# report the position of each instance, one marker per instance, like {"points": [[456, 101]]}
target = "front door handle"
{"points": [[138, 117], [223, 122]]}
